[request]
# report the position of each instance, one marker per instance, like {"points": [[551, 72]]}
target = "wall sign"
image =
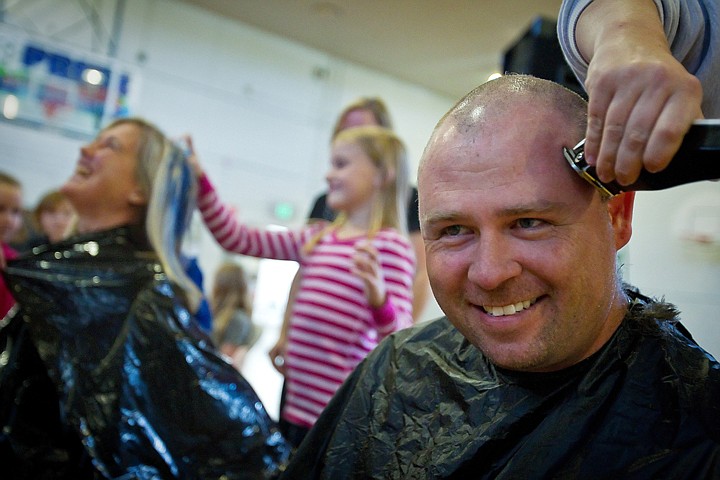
{"points": [[47, 85]]}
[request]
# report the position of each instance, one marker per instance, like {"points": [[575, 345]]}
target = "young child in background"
{"points": [[233, 330], [11, 215], [54, 216], [356, 272]]}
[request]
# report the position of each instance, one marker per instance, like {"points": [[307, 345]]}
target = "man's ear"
{"points": [[137, 198], [620, 208]]}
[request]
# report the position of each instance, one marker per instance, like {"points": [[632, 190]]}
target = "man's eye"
{"points": [[529, 222], [452, 230]]}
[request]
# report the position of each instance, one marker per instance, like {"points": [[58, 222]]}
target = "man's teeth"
{"points": [[508, 309]]}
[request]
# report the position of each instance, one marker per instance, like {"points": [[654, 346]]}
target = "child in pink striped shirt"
{"points": [[357, 272]]}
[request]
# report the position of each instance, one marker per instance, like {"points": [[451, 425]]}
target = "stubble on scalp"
{"points": [[485, 103]]}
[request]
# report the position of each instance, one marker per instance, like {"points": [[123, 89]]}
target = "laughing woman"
{"points": [[109, 375]]}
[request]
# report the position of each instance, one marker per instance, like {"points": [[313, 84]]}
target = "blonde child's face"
{"points": [[10, 211], [55, 222], [353, 179]]}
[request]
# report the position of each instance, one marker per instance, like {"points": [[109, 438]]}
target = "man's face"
{"points": [[520, 251], [358, 117]]}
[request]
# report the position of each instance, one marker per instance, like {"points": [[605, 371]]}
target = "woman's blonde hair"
{"points": [[153, 146], [165, 177], [387, 152], [229, 294]]}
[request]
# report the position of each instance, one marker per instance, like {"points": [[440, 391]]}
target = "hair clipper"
{"points": [[697, 159]]}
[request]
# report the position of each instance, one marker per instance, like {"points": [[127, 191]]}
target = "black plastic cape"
{"points": [[133, 377], [427, 404]]}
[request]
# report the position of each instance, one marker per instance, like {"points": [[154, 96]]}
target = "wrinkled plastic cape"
{"points": [[137, 380], [427, 404]]}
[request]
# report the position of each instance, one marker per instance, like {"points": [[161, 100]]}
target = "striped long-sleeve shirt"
{"points": [[332, 325]]}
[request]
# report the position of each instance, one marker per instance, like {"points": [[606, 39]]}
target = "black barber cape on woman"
{"points": [[104, 351]]}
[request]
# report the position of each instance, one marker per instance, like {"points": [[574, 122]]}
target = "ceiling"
{"points": [[449, 46]]}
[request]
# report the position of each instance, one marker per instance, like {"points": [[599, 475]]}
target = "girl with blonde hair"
{"points": [[357, 272]]}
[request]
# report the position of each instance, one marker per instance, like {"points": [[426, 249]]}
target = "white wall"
{"points": [[664, 260], [260, 109]]}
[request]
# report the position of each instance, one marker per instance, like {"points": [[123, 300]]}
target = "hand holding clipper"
{"points": [[697, 159]]}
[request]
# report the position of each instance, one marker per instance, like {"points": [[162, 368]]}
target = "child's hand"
{"points": [[367, 267], [277, 355], [3, 264], [192, 156]]}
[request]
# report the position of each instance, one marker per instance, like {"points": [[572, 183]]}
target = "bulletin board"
{"points": [[45, 84]]}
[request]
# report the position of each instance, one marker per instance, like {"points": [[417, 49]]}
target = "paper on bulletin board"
{"points": [[45, 84]]}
